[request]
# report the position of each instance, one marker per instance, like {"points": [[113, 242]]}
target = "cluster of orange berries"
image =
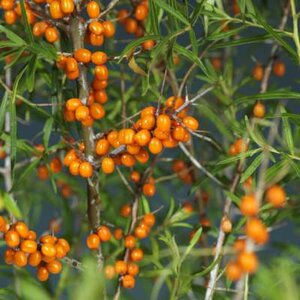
{"points": [[23, 249], [127, 269], [55, 166], [278, 70], [255, 230], [134, 24], [12, 11], [239, 146]]}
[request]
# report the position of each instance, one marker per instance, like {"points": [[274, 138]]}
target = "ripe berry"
{"points": [[20, 259], [121, 267], [125, 211], [226, 224], [108, 29], [108, 165], [101, 72], [48, 239], [39, 28], [34, 259], [83, 55], [55, 10], [142, 156], [135, 176], [233, 271], [163, 122], [130, 25], [104, 233], [142, 137], [65, 244], [191, 123], [136, 254], [31, 235], [93, 241], [9, 256], [149, 219], [239, 245], [12, 238], [55, 165], [141, 12], [257, 231], [42, 274], [70, 156], [99, 58], [148, 45], [93, 9], [48, 250], [132, 269], [279, 68], [130, 242], [86, 169], [43, 172], [127, 160], [122, 15], [258, 72], [73, 103], [96, 27], [54, 267], [97, 111], [74, 167], [128, 281], [100, 96], [241, 146], [247, 262], [109, 272], [149, 189], [216, 63], [249, 205], [276, 196], [141, 232], [22, 229], [118, 234], [10, 17], [155, 146], [67, 6], [259, 110], [28, 246], [82, 113], [102, 146]]}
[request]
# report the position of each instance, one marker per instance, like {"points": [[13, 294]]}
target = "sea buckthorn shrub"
{"points": [[149, 149]]}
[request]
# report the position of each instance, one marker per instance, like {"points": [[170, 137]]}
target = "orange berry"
{"points": [[108, 29], [127, 160], [55, 10], [239, 245], [67, 6], [122, 15], [73, 103], [149, 189], [259, 110], [101, 72], [28, 246], [42, 273], [100, 96], [9, 256], [148, 45], [7, 4], [50, 239], [141, 232], [3, 225], [22, 229], [276, 196], [232, 150], [233, 271], [128, 282], [96, 27], [69, 116], [216, 63], [226, 224], [257, 231], [93, 9], [160, 134], [55, 165], [97, 111], [54, 267], [142, 156], [132, 269], [99, 58], [179, 133], [137, 254], [241, 146], [88, 122], [48, 250], [104, 233], [39, 28], [155, 146], [248, 262], [130, 25], [125, 211], [43, 172], [99, 84], [74, 167], [82, 113], [135, 176], [149, 219], [102, 146], [70, 156], [86, 169], [130, 242], [73, 75], [12, 238], [141, 12], [64, 243], [118, 234], [96, 40], [142, 137], [121, 267], [170, 142], [20, 259], [258, 72], [191, 123], [71, 64], [133, 149], [279, 68], [10, 17], [108, 165], [82, 55], [31, 235], [249, 205], [34, 259], [109, 272], [93, 241], [163, 122]]}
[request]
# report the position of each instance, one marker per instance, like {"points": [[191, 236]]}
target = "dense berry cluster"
{"points": [[24, 249]]}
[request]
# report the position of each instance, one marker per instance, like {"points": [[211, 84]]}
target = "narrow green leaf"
{"points": [[287, 132], [25, 21], [235, 158], [3, 109], [165, 6], [153, 18], [47, 131], [11, 206], [192, 244], [235, 199], [252, 168], [30, 73], [18, 41], [145, 203]]}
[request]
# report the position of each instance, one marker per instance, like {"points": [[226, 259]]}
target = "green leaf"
{"points": [[192, 244], [242, 155], [153, 18], [3, 108], [18, 41], [165, 6], [30, 73], [235, 199], [252, 168], [47, 131], [287, 132], [11, 206], [145, 203], [25, 21]]}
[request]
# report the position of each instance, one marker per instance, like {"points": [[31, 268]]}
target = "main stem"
{"points": [[77, 32]]}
